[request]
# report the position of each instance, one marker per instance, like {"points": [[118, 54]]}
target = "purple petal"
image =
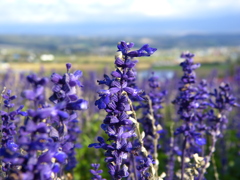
{"points": [[78, 73], [116, 74], [81, 104], [56, 168], [60, 156]]}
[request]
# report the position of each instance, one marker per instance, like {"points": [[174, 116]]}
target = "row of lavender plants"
{"points": [[129, 129]]}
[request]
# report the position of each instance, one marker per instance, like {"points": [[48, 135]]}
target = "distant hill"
{"points": [[86, 44]]}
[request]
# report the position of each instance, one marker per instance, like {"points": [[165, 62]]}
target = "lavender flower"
{"points": [[9, 147], [119, 122], [152, 117], [40, 155], [35, 144], [222, 102], [64, 92], [188, 103]]}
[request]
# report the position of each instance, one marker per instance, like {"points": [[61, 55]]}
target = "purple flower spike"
{"points": [[191, 101], [67, 102], [9, 149], [119, 123]]}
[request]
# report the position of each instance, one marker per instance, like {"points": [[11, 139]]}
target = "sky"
{"points": [[123, 17]]}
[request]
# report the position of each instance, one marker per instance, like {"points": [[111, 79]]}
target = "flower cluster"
{"points": [[151, 119], [39, 134], [221, 101], [9, 120], [38, 147], [197, 107], [44, 145], [144, 166], [65, 93], [119, 122], [188, 103]]}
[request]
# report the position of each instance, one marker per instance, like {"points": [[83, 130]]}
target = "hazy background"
{"points": [[36, 32]]}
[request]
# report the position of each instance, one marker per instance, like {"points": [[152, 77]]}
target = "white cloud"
{"points": [[54, 11], [153, 8], [183, 8]]}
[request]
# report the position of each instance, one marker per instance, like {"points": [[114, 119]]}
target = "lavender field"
{"points": [[119, 125]]}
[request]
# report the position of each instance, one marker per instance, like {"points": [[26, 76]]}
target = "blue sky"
{"points": [[119, 17]]}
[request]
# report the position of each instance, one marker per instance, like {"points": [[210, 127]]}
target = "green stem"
{"points": [[155, 134], [212, 149], [215, 168], [142, 148], [183, 158]]}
